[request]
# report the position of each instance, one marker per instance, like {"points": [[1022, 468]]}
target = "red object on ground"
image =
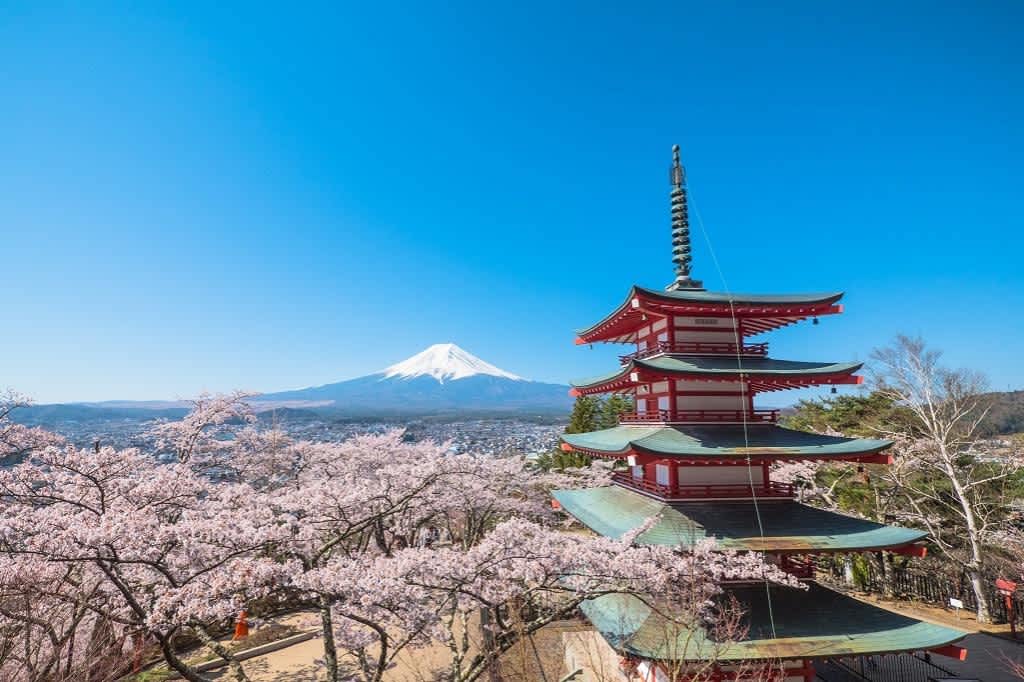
{"points": [[242, 626], [555, 504], [952, 651], [1007, 585]]}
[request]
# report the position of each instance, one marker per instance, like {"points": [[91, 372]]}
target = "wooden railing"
{"points": [[697, 348], [698, 492], [700, 416]]}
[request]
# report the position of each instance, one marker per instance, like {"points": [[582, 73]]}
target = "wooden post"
{"points": [[1009, 614]]}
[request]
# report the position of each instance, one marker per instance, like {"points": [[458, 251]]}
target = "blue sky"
{"points": [[214, 197]]}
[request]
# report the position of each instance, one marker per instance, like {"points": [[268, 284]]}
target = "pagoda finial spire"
{"points": [[681, 255]]}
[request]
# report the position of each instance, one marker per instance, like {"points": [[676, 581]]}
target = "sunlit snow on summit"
{"points": [[445, 361]]}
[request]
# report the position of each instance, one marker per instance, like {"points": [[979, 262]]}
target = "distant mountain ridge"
{"points": [[443, 380], [443, 377]]}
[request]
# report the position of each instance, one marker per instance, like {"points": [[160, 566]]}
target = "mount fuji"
{"points": [[442, 378]]}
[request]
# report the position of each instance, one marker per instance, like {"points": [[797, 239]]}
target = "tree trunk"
{"points": [[182, 668], [973, 539], [487, 636], [885, 577], [330, 649], [236, 668], [978, 587]]}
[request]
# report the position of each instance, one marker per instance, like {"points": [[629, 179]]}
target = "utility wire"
{"points": [[743, 395]]}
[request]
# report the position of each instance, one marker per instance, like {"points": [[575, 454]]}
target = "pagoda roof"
{"points": [[796, 624], [722, 443], [788, 526], [723, 368], [771, 310], [704, 296]]}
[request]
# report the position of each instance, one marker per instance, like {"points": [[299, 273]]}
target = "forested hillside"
{"points": [[1006, 414]]}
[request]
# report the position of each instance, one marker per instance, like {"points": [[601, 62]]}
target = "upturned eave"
{"points": [[723, 443], [760, 312], [764, 374]]}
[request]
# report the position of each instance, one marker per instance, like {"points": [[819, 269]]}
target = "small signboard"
{"points": [[957, 604]]}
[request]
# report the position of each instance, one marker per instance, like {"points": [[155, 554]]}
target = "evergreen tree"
{"points": [[861, 415], [613, 406], [586, 415]]}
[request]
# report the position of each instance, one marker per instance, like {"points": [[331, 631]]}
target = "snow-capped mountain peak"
{"points": [[445, 362]]}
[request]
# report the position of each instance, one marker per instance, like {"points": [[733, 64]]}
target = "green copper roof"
{"points": [[702, 296], [710, 366], [723, 442], [788, 526], [816, 623]]}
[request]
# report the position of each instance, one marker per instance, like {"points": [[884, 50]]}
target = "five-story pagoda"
{"points": [[699, 458]]}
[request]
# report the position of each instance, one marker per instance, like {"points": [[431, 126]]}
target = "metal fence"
{"points": [[929, 588]]}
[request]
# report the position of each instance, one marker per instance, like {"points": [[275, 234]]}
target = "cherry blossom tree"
{"points": [[524, 576], [173, 549], [17, 440], [374, 495], [396, 544], [206, 430], [53, 624]]}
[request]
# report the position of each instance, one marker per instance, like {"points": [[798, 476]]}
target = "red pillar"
{"points": [[673, 407], [745, 387], [673, 474]]}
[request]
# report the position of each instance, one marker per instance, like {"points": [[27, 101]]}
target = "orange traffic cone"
{"points": [[242, 626]]}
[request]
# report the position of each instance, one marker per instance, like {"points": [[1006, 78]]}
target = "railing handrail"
{"points": [[728, 416], [711, 490], [698, 348]]}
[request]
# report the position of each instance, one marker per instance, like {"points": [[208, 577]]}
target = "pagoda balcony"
{"points": [[697, 348], [700, 417], [772, 489]]}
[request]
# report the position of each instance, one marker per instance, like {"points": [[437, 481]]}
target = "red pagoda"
{"points": [[699, 457]]}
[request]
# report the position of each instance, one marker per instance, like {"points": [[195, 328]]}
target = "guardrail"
{"points": [[697, 492], [697, 348], [700, 416]]}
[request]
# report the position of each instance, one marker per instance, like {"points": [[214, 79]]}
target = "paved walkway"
{"points": [[303, 662], [297, 663], [987, 658]]}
